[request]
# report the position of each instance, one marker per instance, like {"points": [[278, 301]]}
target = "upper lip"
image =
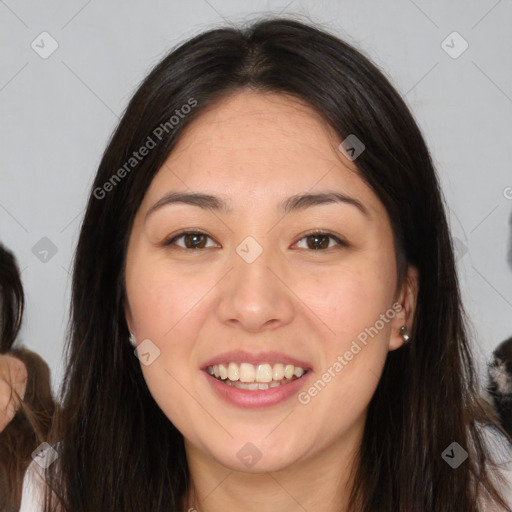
{"points": [[255, 358]]}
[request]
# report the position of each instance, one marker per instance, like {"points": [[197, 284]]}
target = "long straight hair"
{"points": [[118, 451]]}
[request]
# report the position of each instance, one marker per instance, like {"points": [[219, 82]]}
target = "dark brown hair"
{"points": [[107, 459], [31, 424]]}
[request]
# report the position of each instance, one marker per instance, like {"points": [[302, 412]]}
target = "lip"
{"points": [[248, 399], [240, 356]]}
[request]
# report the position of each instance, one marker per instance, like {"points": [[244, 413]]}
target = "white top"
{"points": [[33, 483]]}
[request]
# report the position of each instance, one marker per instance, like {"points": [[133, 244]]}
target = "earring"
{"points": [[404, 332], [132, 339]]}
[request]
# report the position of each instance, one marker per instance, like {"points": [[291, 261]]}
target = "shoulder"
{"points": [[33, 493], [500, 450]]}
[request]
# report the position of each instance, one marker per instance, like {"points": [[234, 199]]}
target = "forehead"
{"points": [[251, 123], [260, 147]]}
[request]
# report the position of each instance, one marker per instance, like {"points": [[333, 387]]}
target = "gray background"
{"points": [[58, 112]]}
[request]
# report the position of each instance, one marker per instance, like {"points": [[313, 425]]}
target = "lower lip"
{"points": [[249, 399]]}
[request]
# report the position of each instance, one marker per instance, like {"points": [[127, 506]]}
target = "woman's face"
{"points": [[253, 293]]}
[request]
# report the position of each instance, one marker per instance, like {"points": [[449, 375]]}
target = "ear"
{"points": [[405, 307]]}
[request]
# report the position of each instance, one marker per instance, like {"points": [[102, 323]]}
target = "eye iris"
{"points": [[193, 237], [321, 245]]}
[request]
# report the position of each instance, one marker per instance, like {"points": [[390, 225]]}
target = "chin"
{"points": [[252, 456]]}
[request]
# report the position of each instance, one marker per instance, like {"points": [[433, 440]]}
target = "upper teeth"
{"points": [[247, 372]]}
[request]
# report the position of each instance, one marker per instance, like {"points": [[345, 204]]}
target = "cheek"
{"points": [[347, 300], [164, 306], [160, 296], [353, 351], [348, 304]]}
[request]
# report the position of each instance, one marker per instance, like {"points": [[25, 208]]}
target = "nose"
{"points": [[255, 295]]}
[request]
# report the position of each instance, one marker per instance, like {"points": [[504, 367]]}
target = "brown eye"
{"points": [[320, 241], [192, 240]]}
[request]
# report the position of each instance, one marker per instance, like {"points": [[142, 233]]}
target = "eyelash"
{"points": [[339, 241]]}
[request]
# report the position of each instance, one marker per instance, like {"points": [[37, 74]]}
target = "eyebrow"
{"points": [[291, 204]]}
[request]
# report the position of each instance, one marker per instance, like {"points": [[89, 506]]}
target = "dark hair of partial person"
{"points": [[500, 382], [12, 299], [118, 451], [31, 423]]}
